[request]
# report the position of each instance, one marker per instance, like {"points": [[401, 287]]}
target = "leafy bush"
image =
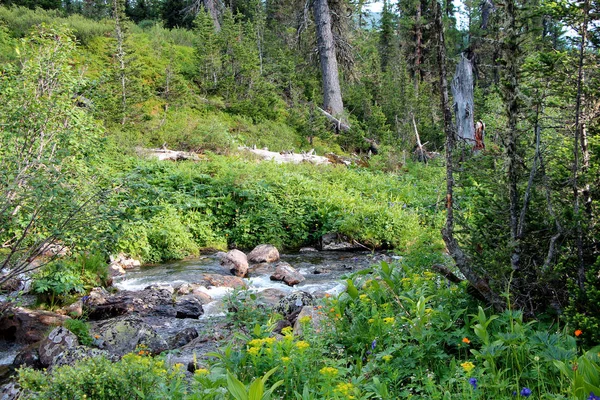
{"points": [[80, 329], [168, 237], [59, 279], [133, 377]]}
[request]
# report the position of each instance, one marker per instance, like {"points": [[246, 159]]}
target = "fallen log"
{"points": [[164, 154], [340, 126], [287, 157]]}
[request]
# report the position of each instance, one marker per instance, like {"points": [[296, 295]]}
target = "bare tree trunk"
{"points": [[510, 92], [418, 46], [462, 91], [211, 7], [462, 260], [332, 93], [580, 134], [120, 54]]}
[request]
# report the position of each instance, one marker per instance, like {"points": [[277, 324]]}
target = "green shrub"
{"points": [[169, 239], [134, 377], [80, 329]]}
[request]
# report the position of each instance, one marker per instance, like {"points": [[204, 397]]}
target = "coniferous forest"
{"points": [[455, 145]]}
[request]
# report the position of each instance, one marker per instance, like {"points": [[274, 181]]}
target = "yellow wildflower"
{"points": [[255, 343], [305, 320], [328, 372], [387, 358], [345, 389], [253, 351], [288, 330], [389, 320], [201, 372], [285, 360], [269, 341], [468, 366], [371, 320], [363, 296], [301, 345]]}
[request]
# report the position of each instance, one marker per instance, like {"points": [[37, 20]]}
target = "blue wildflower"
{"points": [[473, 382], [373, 343], [525, 392], [593, 396]]}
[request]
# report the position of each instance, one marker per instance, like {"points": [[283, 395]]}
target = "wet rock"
{"points": [[59, 340], [202, 296], [10, 391], [76, 353], [270, 297], [188, 306], [308, 250], [216, 280], [115, 270], [124, 261], [28, 357], [27, 326], [337, 242], [75, 310], [281, 324], [236, 262], [153, 300], [264, 253], [321, 270], [182, 338], [314, 315], [6, 371], [286, 273], [261, 269], [123, 335], [291, 305]]}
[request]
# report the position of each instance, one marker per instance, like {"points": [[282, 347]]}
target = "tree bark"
{"points": [[332, 93], [462, 91], [211, 7], [462, 260], [580, 135], [510, 93]]}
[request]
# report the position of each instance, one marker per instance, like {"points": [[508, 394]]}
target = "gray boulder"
{"points": [[183, 337], [123, 335], [264, 253], [286, 273], [336, 241], [236, 262], [72, 355], [291, 305], [188, 306], [59, 340]]}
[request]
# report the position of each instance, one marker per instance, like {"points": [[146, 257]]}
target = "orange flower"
{"points": [[578, 332], [466, 340]]}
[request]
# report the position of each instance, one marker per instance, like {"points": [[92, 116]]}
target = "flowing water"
{"points": [[323, 272]]}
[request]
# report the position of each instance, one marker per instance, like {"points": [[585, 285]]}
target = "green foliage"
{"points": [[133, 377], [57, 280], [168, 238], [246, 203], [81, 330], [21, 21], [50, 180]]}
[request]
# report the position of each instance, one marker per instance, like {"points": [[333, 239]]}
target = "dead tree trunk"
{"points": [[332, 93], [510, 53], [462, 260], [580, 134], [462, 91], [211, 7]]}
